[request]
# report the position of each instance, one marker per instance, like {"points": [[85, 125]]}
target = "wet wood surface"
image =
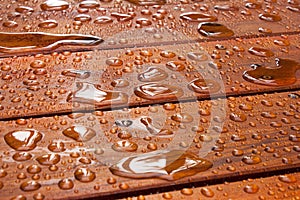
{"points": [[149, 99]]}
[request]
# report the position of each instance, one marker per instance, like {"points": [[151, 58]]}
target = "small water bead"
{"points": [[175, 66], [197, 56], [38, 64], [38, 196], [207, 192], [182, 117], [114, 62], [103, 20], [237, 152], [54, 5], [245, 107], [121, 17], [89, 4], [226, 7], [143, 22], [287, 178], [124, 123], [30, 186], [19, 197], [238, 117], [261, 52], [22, 156], [23, 140], [48, 159], [269, 17], [2, 173], [148, 2], [284, 73], [251, 160], [10, 24], [187, 191], [82, 74], [253, 5], [251, 188], [80, 133], [125, 146], [92, 94], [294, 138], [269, 115], [56, 146], [111, 180], [33, 169], [152, 74], [294, 8], [165, 164], [156, 91], [24, 9], [124, 135], [48, 24], [280, 42], [214, 30], [167, 54], [84, 174], [120, 83], [204, 86], [82, 18], [198, 17]]}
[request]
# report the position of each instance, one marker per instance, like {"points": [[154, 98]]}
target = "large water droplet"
{"points": [[204, 86], [152, 74], [65, 184], [56, 5], [284, 73], [30, 186], [125, 146], [23, 140], [214, 30], [165, 164], [48, 159], [93, 94], [156, 91], [33, 42], [79, 133]]}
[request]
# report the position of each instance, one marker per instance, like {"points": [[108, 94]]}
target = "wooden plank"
{"points": [[44, 84], [246, 136], [274, 187], [159, 25]]}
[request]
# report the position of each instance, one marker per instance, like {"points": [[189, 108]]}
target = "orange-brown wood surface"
{"points": [[149, 99]]}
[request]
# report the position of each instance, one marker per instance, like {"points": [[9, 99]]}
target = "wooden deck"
{"points": [[116, 99]]}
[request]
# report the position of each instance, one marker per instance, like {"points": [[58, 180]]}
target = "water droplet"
{"points": [[89, 4], [65, 184], [251, 188], [48, 24], [207, 192], [83, 74], [253, 5], [82, 18], [270, 17], [196, 56], [237, 152], [30, 186], [124, 135], [121, 17], [22, 156], [165, 164], [35, 41], [34, 169], [24, 9], [182, 117], [294, 8], [270, 115], [251, 160], [120, 83], [204, 86], [238, 117], [123, 123], [245, 107], [19, 197], [48, 159], [257, 51], [282, 74], [287, 178], [54, 5], [167, 54], [79, 133], [56, 146], [198, 17], [2, 173], [187, 191], [84, 174], [38, 64], [93, 94], [226, 7], [143, 22], [103, 20], [148, 2], [23, 140], [156, 91], [125, 146], [114, 62], [10, 24], [175, 66], [152, 74], [214, 30], [147, 121]]}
